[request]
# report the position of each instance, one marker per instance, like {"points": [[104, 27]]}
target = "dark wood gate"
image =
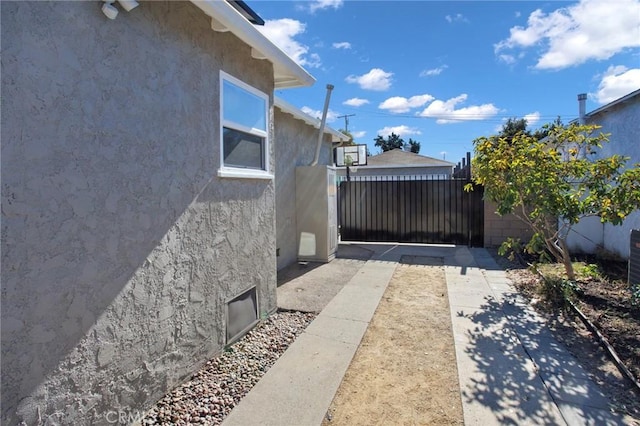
{"points": [[410, 210]]}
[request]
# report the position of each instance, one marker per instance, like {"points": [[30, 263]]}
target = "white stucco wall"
{"points": [[621, 121], [409, 172], [120, 245], [295, 145], [586, 236]]}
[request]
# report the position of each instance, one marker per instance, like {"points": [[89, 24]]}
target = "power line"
{"points": [[461, 117], [346, 120]]}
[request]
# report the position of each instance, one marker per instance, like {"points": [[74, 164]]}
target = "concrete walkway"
{"points": [[510, 368]]}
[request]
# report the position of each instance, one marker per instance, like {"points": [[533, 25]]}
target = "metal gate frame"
{"points": [[411, 209]]}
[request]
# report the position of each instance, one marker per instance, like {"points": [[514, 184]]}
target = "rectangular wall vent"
{"points": [[242, 314], [634, 258]]}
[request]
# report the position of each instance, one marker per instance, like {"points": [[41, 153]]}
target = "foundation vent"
{"points": [[242, 314]]}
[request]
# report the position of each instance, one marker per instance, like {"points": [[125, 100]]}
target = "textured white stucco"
{"points": [[295, 145], [120, 245], [621, 122]]}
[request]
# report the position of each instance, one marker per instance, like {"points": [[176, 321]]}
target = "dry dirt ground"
{"points": [[606, 301], [404, 372]]}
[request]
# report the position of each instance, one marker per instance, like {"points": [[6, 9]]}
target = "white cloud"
{"points": [[355, 102], [590, 29], [532, 118], [376, 79], [282, 33], [313, 61], [446, 112], [325, 4], [398, 104], [331, 115], [434, 71], [342, 45], [507, 59], [399, 130], [458, 17], [616, 82], [359, 134]]}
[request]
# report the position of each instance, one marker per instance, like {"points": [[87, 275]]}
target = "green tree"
{"points": [[347, 133], [540, 181], [413, 146], [543, 132], [392, 141], [512, 127]]}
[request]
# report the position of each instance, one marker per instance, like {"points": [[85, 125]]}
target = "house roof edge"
{"points": [[611, 104], [284, 106], [287, 73]]}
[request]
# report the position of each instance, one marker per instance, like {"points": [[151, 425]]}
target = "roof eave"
{"points": [[608, 106], [286, 107], [287, 73], [613, 103]]}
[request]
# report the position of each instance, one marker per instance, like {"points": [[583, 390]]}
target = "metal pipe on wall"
{"points": [[322, 123]]}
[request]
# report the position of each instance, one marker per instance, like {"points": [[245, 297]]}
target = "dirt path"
{"points": [[404, 372]]}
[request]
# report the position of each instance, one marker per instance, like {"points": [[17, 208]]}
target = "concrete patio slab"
{"points": [[581, 415], [340, 329], [299, 387], [574, 390], [342, 306], [309, 286], [511, 370]]}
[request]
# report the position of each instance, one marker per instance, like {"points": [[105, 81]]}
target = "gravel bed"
{"points": [[211, 393]]}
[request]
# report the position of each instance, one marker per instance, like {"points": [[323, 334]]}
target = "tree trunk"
{"points": [[562, 255], [566, 260]]}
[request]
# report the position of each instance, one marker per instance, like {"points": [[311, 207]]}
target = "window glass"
{"points": [[243, 107], [244, 125], [242, 149]]}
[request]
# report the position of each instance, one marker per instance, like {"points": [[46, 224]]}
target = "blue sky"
{"points": [[447, 72]]}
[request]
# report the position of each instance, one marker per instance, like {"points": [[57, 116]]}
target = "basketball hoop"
{"points": [[351, 155]]}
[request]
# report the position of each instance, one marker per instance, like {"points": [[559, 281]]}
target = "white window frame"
{"points": [[230, 171]]}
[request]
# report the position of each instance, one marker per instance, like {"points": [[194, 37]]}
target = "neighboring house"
{"points": [[296, 135], [138, 199], [397, 162], [620, 119]]}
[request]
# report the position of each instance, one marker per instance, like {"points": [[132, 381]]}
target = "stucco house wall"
{"points": [[295, 145], [397, 162], [120, 244], [433, 172], [621, 121]]}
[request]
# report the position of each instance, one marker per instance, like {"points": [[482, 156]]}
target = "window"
{"points": [[244, 119]]}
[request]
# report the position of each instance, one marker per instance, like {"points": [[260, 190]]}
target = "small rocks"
{"points": [[219, 386]]}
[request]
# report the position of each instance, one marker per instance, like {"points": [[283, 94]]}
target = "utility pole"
{"points": [[346, 121]]}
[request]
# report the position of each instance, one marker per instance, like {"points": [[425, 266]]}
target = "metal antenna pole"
{"points": [[346, 121], [322, 124]]}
